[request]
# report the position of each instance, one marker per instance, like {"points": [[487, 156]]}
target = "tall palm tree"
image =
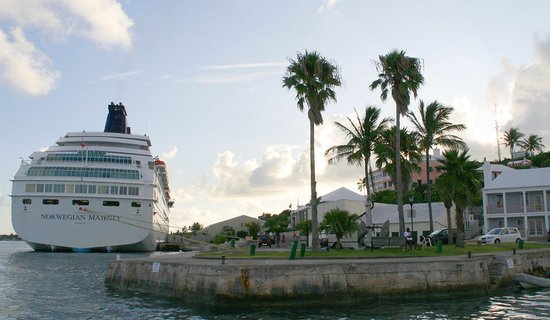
{"points": [[409, 156], [340, 223], [531, 144], [314, 79], [399, 75], [435, 129], [363, 135], [443, 185], [464, 187], [511, 138]]}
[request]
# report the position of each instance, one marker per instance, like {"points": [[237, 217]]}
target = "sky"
{"points": [[203, 79]]}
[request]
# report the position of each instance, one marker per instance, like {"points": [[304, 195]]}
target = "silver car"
{"points": [[498, 235]]}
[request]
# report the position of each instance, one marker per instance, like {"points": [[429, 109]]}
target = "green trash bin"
{"points": [[232, 243], [252, 249], [439, 247], [520, 244]]}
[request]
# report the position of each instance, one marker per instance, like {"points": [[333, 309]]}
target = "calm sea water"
{"points": [[35, 285]]}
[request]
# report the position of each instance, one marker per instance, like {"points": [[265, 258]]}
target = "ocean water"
{"points": [[37, 285]]}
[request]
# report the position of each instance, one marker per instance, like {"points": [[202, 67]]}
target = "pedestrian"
{"points": [[409, 238]]}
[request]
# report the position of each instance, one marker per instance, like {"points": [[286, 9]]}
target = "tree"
{"points": [[305, 228], [444, 186], [340, 223], [531, 144], [228, 231], [435, 129], [409, 157], [253, 228], [461, 183], [363, 135], [399, 75], [196, 227], [314, 79], [511, 138]]}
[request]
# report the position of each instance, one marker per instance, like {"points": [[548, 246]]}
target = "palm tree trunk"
{"points": [[371, 179], [313, 201], [398, 184], [428, 189], [459, 227], [368, 213]]}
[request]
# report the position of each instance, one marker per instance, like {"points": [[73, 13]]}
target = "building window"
{"points": [[58, 188], [30, 187], [133, 191], [114, 190], [81, 202], [103, 189], [500, 202], [48, 188], [111, 203], [27, 201], [40, 187], [69, 188], [123, 190], [136, 204], [538, 202], [50, 201], [81, 188]]}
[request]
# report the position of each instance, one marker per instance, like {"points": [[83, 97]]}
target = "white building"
{"points": [[517, 198], [346, 199]]}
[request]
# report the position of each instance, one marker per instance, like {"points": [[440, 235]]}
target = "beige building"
{"points": [[237, 223]]}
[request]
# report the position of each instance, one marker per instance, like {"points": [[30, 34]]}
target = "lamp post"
{"points": [[411, 200]]}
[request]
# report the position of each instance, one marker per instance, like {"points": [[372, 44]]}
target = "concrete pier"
{"points": [[316, 281]]}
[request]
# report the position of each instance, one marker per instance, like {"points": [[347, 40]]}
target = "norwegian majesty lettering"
{"points": [[78, 217]]}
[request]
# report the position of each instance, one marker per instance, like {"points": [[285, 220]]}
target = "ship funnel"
{"points": [[116, 120]]}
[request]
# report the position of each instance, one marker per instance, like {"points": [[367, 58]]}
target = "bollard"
{"points": [[439, 247], [469, 254], [514, 251], [252, 249], [302, 250], [292, 254], [223, 259], [520, 244]]}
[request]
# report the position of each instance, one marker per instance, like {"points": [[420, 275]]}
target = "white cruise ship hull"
{"points": [[93, 191]]}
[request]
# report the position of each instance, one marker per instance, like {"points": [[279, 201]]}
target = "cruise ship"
{"points": [[93, 191]]}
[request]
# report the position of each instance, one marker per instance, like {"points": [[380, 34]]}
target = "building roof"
{"points": [[524, 178], [342, 194]]}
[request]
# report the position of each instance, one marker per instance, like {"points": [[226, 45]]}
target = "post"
{"points": [[411, 200]]}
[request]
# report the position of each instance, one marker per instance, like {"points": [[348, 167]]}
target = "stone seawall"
{"points": [[206, 281]]}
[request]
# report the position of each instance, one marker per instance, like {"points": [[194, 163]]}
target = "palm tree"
{"points": [[511, 138], [340, 223], [314, 79], [464, 185], [409, 156], [434, 129], [400, 75], [531, 144], [444, 185], [363, 135]]}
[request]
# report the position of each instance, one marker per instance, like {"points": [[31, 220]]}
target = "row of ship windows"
{"points": [[107, 203], [81, 188], [90, 156], [83, 172]]}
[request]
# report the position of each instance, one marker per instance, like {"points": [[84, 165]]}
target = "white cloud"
{"points": [[224, 78], [23, 66], [327, 5], [102, 21], [169, 155], [246, 66], [121, 76]]}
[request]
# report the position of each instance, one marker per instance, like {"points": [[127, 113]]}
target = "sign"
{"points": [[156, 266]]}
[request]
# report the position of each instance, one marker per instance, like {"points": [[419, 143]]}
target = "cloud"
{"points": [[169, 155], [224, 78], [246, 66], [102, 21], [23, 66], [121, 76], [327, 5]]}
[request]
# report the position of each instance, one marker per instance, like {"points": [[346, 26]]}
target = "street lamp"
{"points": [[411, 201]]}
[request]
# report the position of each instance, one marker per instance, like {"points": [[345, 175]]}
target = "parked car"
{"points": [[443, 235], [264, 240], [498, 235]]}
